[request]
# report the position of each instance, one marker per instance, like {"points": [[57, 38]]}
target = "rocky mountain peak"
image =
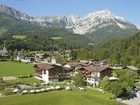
{"points": [[15, 13], [101, 14], [88, 24]]}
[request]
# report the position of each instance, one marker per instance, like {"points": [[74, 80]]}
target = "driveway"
{"points": [[134, 101]]}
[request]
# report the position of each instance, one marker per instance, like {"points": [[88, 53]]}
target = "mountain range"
{"points": [[98, 26]]}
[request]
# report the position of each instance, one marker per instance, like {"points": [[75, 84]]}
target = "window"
{"points": [[44, 71]]}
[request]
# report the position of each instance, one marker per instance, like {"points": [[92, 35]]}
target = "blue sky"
{"points": [[130, 9]]}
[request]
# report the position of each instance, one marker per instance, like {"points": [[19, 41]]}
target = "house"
{"points": [[96, 62], [93, 61], [39, 57], [53, 60], [51, 72], [103, 62], [25, 59], [118, 67], [3, 54], [94, 74], [76, 66], [133, 69]]}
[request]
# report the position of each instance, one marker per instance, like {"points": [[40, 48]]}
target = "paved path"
{"points": [[6, 78]]}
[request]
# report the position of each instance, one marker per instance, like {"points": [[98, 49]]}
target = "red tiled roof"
{"points": [[96, 68]]}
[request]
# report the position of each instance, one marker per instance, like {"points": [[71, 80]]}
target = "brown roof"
{"points": [[44, 66], [96, 68], [74, 64]]}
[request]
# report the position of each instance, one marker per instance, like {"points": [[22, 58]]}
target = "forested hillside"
{"points": [[20, 34], [42, 39], [125, 51]]}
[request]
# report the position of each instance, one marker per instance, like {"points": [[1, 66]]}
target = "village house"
{"points": [[93, 61], [54, 73], [38, 57], [133, 69], [3, 54], [24, 58], [127, 68], [94, 74], [51, 72], [76, 67]]}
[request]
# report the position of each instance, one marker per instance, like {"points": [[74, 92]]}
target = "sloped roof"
{"points": [[74, 64], [44, 66], [96, 68], [132, 68]]}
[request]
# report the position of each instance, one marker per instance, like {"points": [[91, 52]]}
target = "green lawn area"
{"points": [[29, 80], [15, 68], [75, 97], [57, 38], [19, 36]]}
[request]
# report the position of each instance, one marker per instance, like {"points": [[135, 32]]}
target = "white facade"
{"points": [[45, 76], [92, 81], [53, 61], [98, 74], [39, 57], [23, 59]]}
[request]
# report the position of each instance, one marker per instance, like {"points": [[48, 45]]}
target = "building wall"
{"points": [[92, 81], [106, 72], [45, 75]]}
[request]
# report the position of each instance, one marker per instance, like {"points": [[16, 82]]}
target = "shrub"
{"points": [[25, 76], [121, 87], [7, 92], [79, 79], [111, 96]]}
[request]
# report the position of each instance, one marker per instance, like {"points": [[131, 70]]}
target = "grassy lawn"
{"points": [[57, 38], [30, 80], [15, 68], [90, 97], [19, 36]]}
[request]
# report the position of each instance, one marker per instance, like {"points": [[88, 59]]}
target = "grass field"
{"points": [[30, 80], [15, 68], [19, 36], [75, 97], [57, 38]]}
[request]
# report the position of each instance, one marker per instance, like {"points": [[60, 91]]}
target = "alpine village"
{"points": [[68, 60]]}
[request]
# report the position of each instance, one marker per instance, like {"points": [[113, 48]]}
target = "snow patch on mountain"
{"points": [[98, 19], [121, 26]]}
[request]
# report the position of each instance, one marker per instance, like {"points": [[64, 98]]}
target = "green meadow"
{"points": [[62, 97], [15, 68], [19, 36], [57, 38]]}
